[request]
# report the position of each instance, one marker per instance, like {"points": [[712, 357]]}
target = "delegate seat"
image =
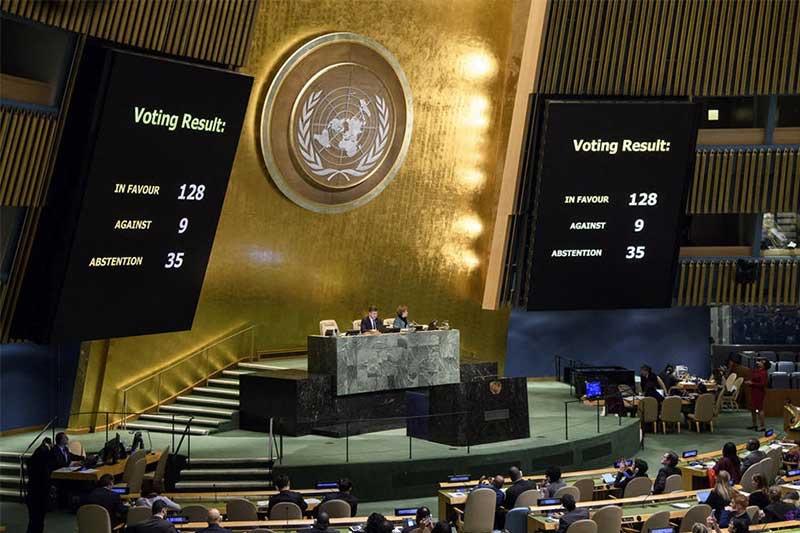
{"points": [[195, 513], [703, 411], [787, 356], [696, 514], [569, 489], [638, 486], [648, 412], [328, 325], [656, 521], [780, 380], [585, 487], [242, 510], [137, 515], [785, 366], [517, 520], [478, 513], [608, 519], [671, 413], [583, 526], [93, 519], [336, 508], [529, 498]]}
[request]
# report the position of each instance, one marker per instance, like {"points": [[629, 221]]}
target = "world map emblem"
{"points": [[336, 123]]}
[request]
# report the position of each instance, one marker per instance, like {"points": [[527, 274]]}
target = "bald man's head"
{"points": [[213, 516]]}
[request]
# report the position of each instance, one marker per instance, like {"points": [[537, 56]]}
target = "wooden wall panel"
{"points": [[671, 47], [714, 283], [745, 181], [217, 31], [26, 144]]}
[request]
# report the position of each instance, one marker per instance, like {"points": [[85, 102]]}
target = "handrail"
{"points": [[186, 431], [184, 359], [22, 456]]}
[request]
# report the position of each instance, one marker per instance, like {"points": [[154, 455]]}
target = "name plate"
{"points": [[496, 414]]}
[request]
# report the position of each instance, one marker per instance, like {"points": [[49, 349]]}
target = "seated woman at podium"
{"points": [[401, 320]]}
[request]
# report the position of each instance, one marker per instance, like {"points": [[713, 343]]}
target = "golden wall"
{"points": [[424, 241]]}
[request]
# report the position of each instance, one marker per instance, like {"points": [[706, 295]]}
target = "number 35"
{"points": [[174, 260], [635, 252]]}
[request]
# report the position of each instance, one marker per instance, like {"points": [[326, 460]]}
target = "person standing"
{"points": [[758, 387], [38, 497]]}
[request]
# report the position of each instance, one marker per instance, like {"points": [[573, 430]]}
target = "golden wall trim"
{"points": [[217, 31]]}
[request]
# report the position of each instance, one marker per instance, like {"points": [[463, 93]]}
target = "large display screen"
{"points": [[612, 179], [153, 176]]}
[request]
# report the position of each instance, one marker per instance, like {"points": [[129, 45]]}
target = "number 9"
{"points": [[638, 225], [183, 224]]}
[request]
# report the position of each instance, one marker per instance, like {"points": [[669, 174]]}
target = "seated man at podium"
{"points": [[371, 322]]}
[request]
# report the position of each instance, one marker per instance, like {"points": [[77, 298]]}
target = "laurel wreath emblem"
{"points": [[311, 156]]}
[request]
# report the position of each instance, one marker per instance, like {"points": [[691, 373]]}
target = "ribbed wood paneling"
{"points": [[211, 30], [26, 144], [714, 283], [671, 47], [745, 181]]}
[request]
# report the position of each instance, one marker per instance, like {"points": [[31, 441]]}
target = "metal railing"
{"points": [[199, 362], [597, 401]]}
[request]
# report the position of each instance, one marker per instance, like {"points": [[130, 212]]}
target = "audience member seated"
{"points": [[755, 455], [552, 481], [345, 493], [157, 524], [729, 463], [669, 462], [518, 486], [376, 524], [627, 473], [105, 497], [321, 525], [152, 497], [285, 494], [422, 518], [720, 496], [739, 511], [214, 518], [496, 485], [779, 509], [667, 377], [60, 456], [759, 497], [441, 526], [736, 526], [571, 514]]}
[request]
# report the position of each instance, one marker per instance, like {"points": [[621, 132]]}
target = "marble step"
{"points": [[231, 462], [9, 466], [227, 474], [156, 427], [9, 494], [9, 480], [259, 366], [224, 382], [236, 373], [215, 485], [217, 391], [209, 401], [182, 420], [196, 410], [11, 456]]}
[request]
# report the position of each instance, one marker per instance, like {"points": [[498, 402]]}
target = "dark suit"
{"points": [[38, 497], [154, 525], [287, 496], [214, 528], [346, 496], [368, 324], [110, 501], [570, 518], [517, 488], [59, 458], [661, 479]]}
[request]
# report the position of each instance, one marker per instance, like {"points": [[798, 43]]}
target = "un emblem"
{"points": [[336, 122]]}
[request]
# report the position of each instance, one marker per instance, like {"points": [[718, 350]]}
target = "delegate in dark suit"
{"points": [[517, 487], [61, 457], [570, 518], [155, 525], [368, 323], [214, 528], [287, 496], [110, 501], [345, 496], [38, 486]]}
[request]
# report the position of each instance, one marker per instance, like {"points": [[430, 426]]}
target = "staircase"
{"points": [[9, 475], [226, 474], [214, 406]]}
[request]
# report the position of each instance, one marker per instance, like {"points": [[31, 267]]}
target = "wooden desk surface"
{"points": [[227, 495], [286, 524], [92, 475], [537, 477]]}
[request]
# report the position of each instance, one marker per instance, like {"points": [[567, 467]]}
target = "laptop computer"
{"points": [[594, 389], [663, 530], [689, 454], [609, 478], [702, 495]]}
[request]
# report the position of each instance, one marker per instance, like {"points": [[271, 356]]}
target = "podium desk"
{"points": [[389, 361]]}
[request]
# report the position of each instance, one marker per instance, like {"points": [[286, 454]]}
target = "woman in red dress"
{"points": [[758, 385]]}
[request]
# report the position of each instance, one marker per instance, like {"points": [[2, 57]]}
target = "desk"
{"points": [[691, 386], [338, 523], [696, 477], [93, 474], [633, 511], [221, 496], [391, 361]]}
